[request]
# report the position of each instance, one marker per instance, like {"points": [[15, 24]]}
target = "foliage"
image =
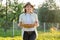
{"points": [[9, 32], [9, 13], [49, 12]]}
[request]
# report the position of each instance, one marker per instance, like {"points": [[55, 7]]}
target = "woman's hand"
{"points": [[20, 24], [35, 24]]}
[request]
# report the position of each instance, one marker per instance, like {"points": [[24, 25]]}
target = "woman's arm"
{"points": [[36, 21]]}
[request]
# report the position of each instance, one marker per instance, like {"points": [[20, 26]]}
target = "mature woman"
{"points": [[28, 21]]}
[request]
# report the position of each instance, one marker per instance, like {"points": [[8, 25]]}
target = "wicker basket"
{"points": [[28, 25]]}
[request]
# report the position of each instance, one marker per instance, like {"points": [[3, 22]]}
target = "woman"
{"points": [[28, 21]]}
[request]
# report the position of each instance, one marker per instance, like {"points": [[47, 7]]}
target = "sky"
{"points": [[58, 2], [34, 2]]}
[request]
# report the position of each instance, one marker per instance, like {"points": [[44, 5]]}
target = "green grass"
{"points": [[49, 35], [9, 33], [41, 36]]}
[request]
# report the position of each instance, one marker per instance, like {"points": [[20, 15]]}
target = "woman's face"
{"points": [[29, 9]]}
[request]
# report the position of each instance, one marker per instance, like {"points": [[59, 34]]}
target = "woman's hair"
{"points": [[28, 3]]}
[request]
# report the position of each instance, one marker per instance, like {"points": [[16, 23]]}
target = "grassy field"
{"points": [[52, 35], [9, 33]]}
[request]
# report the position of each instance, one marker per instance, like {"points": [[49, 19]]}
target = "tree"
{"points": [[1, 2], [48, 12], [9, 13]]}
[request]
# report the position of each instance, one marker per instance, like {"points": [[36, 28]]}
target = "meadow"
{"points": [[51, 35]]}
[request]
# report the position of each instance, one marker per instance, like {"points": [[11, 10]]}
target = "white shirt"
{"points": [[28, 19]]}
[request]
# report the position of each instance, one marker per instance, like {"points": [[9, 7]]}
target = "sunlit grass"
{"points": [[41, 36], [50, 35]]}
